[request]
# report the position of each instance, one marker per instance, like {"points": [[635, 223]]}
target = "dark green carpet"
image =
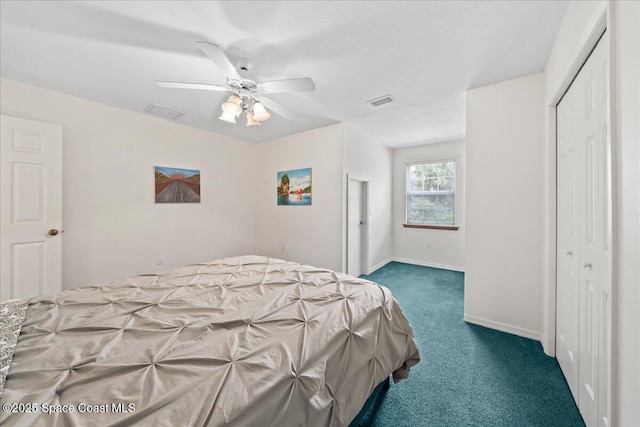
{"points": [[468, 375]]}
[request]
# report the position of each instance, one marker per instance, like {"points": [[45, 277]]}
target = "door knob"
{"points": [[569, 253], [53, 232], [587, 265]]}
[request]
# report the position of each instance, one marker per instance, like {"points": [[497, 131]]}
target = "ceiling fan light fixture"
{"points": [[231, 109], [228, 117], [260, 114], [233, 105], [251, 121], [245, 88]]}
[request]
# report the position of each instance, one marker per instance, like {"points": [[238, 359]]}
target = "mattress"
{"points": [[238, 341]]}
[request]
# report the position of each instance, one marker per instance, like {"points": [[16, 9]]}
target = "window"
{"points": [[431, 193]]}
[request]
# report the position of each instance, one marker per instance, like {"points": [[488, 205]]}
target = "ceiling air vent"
{"points": [[381, 101], [164, 112]]}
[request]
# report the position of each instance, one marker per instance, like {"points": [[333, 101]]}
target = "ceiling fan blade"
{"points": [[276, 108], [201, 86], [303, 84], [217, 55]]}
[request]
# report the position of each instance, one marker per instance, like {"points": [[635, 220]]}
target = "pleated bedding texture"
{"points": [[242, 341]]}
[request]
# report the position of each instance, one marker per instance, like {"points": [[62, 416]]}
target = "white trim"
{"points": [[599, 23], [453, 192], [585, 45], [503, 327], [357, 178], [379, 265], [364, 248], [428, 264], [449, 159], [548, 339], [414, 262]]}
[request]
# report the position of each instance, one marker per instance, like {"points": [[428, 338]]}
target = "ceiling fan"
{"points": [[247, 92]]}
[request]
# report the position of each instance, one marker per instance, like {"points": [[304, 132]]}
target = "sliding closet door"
{"points": [[595, 283], [584, 239], [568, 243]]}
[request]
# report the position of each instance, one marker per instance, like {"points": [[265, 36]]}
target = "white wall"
{"points": [[503, 271], [626, 60], [411, 244], [369, 160], [313, 234], [112, 227]]}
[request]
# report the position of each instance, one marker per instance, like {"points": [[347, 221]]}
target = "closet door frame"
{"points": [[588, 41]]}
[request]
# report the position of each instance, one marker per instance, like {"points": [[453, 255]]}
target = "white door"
{"points": [[595, 282], [568, 242], [584, 239], [356, 226], [30, 208]]}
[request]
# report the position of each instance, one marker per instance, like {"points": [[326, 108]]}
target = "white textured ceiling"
{"points": [[426, 54]]}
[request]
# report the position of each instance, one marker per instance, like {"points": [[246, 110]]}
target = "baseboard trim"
{"points": [[428, 264], [503, 327], [379, 265]]}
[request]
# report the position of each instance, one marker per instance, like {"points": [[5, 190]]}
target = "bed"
{"points": [[242, 341]]}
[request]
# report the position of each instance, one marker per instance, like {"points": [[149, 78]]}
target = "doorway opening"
{"points": [[357, 225]]}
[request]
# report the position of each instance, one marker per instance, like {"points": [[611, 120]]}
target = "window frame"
{"points": [[453, 192]]}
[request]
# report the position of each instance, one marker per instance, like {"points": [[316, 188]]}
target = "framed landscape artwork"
{"points": [[175, 185], [294, 187]]}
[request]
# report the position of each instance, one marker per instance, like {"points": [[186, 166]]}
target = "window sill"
{"points": [[432, 227]]}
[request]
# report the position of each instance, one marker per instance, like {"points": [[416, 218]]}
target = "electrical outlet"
{"points": [[284, 249], [159, 260], [429, 244]]}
